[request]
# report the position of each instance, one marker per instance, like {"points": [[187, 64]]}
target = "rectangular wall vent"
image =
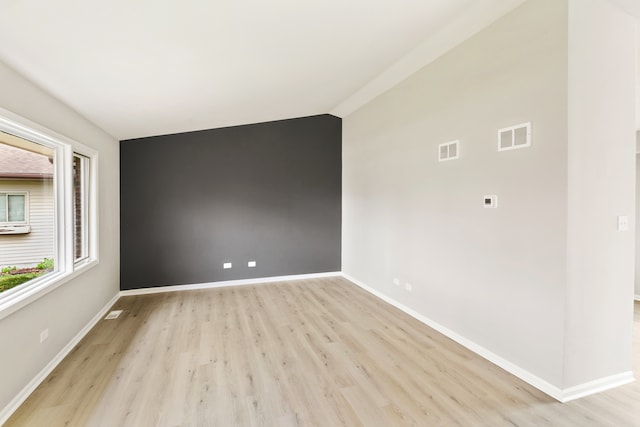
{"points": [[513, 137], [448, 151], [113, 315]]}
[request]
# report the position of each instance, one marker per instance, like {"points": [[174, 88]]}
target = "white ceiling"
{"points": [[146, 67]]}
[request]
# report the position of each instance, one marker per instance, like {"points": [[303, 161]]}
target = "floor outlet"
{"points": [[113, 315]]}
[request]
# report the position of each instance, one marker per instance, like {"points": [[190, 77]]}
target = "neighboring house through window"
{"points": [[27, 211]]}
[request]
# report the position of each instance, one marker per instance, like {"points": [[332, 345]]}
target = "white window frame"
{"points": [[8, 223], [65, 267], [89, 201]]}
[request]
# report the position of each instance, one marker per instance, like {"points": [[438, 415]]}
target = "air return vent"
{"points": [[513, 137], [113, 315], [448, 151]]}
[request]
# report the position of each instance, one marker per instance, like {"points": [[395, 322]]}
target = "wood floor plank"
{"points": [[303, 353]]}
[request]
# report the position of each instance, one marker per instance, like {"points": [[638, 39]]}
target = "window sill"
{"points": [[15, 229], [10, 303]]}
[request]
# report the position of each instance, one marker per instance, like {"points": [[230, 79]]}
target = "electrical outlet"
{"points": [[396, 281], [408, 286], [227, 265], [251, 264], [44, 335], [623, 223]]}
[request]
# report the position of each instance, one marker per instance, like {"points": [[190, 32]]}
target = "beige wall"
{"points": [[29, 249], [67, 309], [499, 277], [486, 274]]}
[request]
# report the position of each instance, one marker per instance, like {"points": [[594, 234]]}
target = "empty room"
{"points": [[323, 213]]}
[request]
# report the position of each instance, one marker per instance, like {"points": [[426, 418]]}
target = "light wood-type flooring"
{"points": [[304, 353]]}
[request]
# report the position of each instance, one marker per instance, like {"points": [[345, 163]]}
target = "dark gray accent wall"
{"points": [[267, 192]]}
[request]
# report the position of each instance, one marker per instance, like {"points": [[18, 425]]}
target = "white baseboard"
{"points": [[15, 403], [226, 283], [596, 386], [565, 395]]}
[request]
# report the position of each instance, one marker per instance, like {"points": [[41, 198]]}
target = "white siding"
{"points": [[30, 249]]}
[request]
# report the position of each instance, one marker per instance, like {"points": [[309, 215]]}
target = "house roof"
{"points": [[16, 163]]}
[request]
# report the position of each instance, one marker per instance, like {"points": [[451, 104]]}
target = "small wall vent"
{"points": [[113, 315], [513, 137], [448, 151]]}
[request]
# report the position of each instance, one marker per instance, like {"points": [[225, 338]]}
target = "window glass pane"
{"points": [[16, 208], [80, 199], [27, 212], [3, 207]]}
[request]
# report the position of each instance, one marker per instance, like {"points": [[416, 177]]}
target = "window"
{"points": [[13, 208], [14, 213], [48, 188], [80, 209]]}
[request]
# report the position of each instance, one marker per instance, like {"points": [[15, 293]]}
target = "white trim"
{"points": [[89, 205], [91, 202], [19, 399], [15, 229], [596, 386], [226, 283], [637, 297], [563, 396]]}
